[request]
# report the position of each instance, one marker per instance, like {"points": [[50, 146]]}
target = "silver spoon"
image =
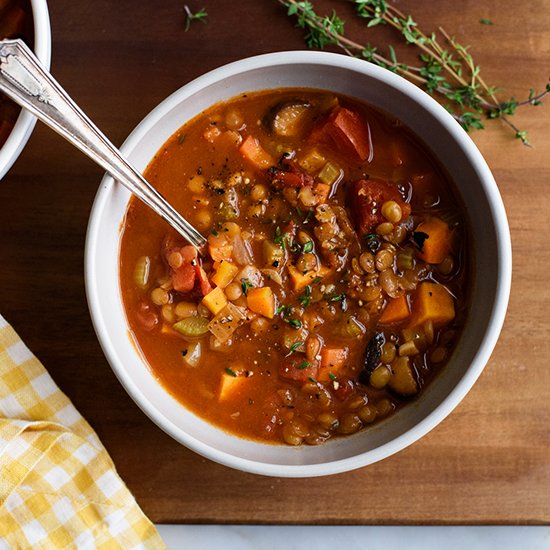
{"points": [[23, 78]]}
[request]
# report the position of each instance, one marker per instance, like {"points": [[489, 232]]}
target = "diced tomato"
{"points": [[147, 318], [287, 174], [298, 368], [205, 285], [183, 278], [348, 131], [366, 198], [292, 179]]}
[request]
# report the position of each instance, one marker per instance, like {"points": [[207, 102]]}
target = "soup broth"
{"points": [[333, 285]]}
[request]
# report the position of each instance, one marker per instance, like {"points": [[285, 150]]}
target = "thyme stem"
{"points": [[449, 73]]}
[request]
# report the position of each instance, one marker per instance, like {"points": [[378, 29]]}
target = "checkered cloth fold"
{"points": [[58, 485]]}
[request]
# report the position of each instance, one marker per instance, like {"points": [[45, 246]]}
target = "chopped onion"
{"points": [[241, 251], [193, 354], [227, 321]]}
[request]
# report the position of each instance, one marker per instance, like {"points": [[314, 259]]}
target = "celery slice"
{"points": [[192, 327]]}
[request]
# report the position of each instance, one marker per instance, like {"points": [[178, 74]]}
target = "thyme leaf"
{"points": [[199, 15], [293, 348]]}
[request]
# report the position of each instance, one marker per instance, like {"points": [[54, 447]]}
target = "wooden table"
{"points": [[489, 462]]}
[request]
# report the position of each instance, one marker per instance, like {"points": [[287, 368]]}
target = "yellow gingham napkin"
{"points": [[58, 485]]}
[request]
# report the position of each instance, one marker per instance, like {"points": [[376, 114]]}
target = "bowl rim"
{"points": [[499, 306], [24, 125]]}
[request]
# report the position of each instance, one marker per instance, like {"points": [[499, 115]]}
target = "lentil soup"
{"points": [[333, 284]]}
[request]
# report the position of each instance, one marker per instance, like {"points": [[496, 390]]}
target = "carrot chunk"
{"points": [[255, 153], [437, 240], [332, 361], [432, 302], [261, 300], [396, 310]]}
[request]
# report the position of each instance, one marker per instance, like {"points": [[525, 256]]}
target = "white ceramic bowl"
{"points": [[25, 122], [489, 291]]}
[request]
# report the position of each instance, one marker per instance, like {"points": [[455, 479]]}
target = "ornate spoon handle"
{"points": [[23, 78]]}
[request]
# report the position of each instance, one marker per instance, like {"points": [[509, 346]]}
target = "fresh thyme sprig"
{"points": [[199, 15], [446, 69]]}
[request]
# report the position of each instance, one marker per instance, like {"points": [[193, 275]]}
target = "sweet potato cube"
{"points": [[396, 310], [438, 243], [220, 247], [301, 280], [225, 273], [215, 300], [230, 386], [432, 302], [261, 300]]}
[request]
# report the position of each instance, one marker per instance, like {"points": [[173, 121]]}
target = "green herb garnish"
{"points": [[304, 365], [199, 15], [316, 280], [445, 67], [245, 285], [280, 238], [285, 310], [231, 372], [332, 376], [214, 232], [293, 348], [308, 247], [305, 298], [181, 138], [294, 323], [311, 379]]}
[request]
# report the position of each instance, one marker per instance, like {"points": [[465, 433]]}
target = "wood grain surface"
{"points": [[488, 462]]}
